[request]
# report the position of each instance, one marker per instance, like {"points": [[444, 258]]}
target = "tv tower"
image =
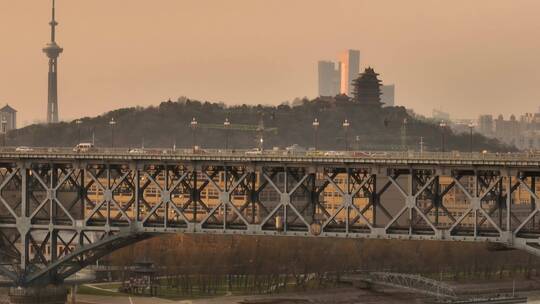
{"points": [[52, 50]]}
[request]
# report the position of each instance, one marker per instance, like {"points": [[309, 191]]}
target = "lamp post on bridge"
{"points": [[315, 133], [346, 126], [193, 125], [404, 135], [112, 123], [226, 125], [471, 128], [78, 122], [443, 127]]}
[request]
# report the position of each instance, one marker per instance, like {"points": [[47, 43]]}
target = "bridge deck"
{"points": [[328, 157]]}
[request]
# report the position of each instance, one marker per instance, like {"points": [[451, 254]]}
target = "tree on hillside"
{"points": [[371, 128]]}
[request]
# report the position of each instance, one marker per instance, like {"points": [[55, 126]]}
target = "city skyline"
{"points": [[449, 66]]}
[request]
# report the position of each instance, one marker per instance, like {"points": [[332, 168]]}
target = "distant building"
{"points": [[367, 88], [8, 119], [329, 78], [350, 68], [485, 125], [387, 95], [507, 131], [523, 133], [440, 115]]}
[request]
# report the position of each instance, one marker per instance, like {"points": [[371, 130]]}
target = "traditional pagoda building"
{"points": [[367, 88]]}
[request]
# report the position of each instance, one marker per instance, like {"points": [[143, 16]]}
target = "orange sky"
{"points": [[466, 57]]}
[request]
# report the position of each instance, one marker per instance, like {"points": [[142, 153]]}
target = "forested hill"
{"points": [[169, 123]]}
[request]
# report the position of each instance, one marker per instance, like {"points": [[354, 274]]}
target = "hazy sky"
{"points": [[466, 57]]}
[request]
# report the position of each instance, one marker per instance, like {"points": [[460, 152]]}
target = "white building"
{"points": [[8, 119], [388, 95]]}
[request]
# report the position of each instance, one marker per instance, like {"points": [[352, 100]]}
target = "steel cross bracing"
{"points": [[59, 214]]}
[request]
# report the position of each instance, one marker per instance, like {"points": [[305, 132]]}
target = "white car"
{"points": [[137, 151], [83, 147], [24, 149], [255, 151], [333, 153]]}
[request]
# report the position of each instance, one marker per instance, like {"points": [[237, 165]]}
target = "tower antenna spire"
{"points": [[53, 22], [53, 50]]}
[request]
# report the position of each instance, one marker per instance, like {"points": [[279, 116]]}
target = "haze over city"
{"points": [[466, 57], [269, 151]]}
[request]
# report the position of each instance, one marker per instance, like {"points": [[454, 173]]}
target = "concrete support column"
{"points": [[38, 295], [73, 295]]}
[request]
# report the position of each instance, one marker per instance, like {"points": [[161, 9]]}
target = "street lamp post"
{"points": [[471, 128], [112, 123], [193, 125], [315, 133], [346, 126], [78, 122], [226, 125], [404, 135], [443, 126], [261, 144]]}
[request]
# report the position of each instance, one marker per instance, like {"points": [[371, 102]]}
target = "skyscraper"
{"points": [[329, 78], [52, 50], [350, 67], [387, 95]]}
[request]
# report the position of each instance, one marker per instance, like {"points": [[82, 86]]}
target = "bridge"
{"points": [[61, 211]]}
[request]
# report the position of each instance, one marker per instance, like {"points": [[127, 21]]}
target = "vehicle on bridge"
{"points": [[334, 153], [137, 151], [84, 147], [23, 149], [254, 151]]}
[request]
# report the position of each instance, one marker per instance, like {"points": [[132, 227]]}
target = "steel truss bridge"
{"points": [[62, 211]]}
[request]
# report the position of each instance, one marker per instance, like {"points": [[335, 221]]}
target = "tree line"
{"points": [[168, 124], [201, 264]]}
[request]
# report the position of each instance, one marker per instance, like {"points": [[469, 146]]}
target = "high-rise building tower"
{"points": [[52, 50], [350, 67], [388, 94], [329, 78]]}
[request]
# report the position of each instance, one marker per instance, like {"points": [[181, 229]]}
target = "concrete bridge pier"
{"points": [[38, 295]]}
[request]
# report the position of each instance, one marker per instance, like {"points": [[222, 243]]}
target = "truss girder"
{"points": [[56, 217]]}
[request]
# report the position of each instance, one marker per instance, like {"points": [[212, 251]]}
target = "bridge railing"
{"points": [[358, 154]]}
